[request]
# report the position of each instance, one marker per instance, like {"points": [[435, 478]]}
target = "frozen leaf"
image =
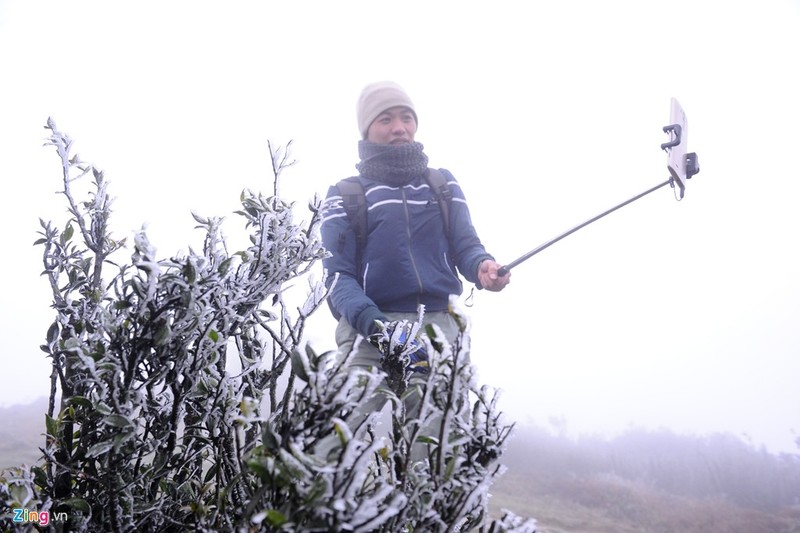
{"points": [[78, 504], [190, 272], [163, 333], [299, 365], [117, 421], [123, 304], [67, 234], [199, 219], [224, 266], [20, 494], [211, 473], [52, 333], [99, 449], [80, 401]]}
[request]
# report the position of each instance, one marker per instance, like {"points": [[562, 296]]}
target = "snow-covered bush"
{"points": [[182, 397], [367, 482]]}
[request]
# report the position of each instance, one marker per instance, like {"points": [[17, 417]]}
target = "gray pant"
{"points": [[356, 351]]}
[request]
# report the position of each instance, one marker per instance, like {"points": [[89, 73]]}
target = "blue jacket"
{"points": [[407, 259]]}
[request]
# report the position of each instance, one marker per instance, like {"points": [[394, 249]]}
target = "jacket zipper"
{"points": [[410, 254]]}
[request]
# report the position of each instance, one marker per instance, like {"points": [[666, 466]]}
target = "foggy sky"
{"points": [[676, 314]]}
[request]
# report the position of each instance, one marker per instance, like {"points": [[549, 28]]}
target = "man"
{"points": [[410, 256]]}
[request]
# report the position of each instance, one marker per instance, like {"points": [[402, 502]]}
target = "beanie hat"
{"points": [[378, 97]]}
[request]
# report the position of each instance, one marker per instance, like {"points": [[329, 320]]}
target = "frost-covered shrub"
{"points": [[369, 482], [182, 398], [153, 426]]}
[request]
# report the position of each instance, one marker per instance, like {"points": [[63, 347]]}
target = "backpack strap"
{"points": [[354, 203], [444, 196]]}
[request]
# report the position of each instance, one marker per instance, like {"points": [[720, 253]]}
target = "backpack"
{"points": [[354, 203]]}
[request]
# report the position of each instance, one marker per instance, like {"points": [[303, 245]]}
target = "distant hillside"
{"points": [[22, 433], [648, 481], [605, 504]]}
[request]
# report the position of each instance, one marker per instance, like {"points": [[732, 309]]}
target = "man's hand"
{"points": [[487, 275]]}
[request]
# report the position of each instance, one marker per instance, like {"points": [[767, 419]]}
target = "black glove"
{"points": [[418, 358], [394, 338]]}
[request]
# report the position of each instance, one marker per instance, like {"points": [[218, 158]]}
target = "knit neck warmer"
{"points": [[392, 164]]}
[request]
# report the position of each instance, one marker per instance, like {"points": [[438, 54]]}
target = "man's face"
{"points": [[396, 125]]}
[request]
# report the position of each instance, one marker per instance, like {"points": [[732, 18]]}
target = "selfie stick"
{"points": [[682, 166], [504, 270]]}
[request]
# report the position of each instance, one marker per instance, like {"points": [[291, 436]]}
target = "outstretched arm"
{"points": [[474, 262]]}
